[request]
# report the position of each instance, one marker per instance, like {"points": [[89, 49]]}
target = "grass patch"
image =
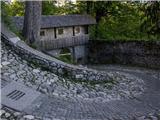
{"points": [[66, 58], [108, 84]]}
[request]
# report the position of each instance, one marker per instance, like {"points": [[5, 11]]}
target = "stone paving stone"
{"points": [[4, 82], [19, 100]]}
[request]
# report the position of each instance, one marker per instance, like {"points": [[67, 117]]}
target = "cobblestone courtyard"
{"points": [[135, 93]]}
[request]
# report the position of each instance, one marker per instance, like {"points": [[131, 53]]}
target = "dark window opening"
{"points": [[60, 31], [42, 33]]}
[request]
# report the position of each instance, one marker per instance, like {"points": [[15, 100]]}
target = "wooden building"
{"points": [[61, 31]]}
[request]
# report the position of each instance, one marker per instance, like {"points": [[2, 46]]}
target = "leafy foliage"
{"points": [[5, 12], [123, 21], [49, 8], [17, 8], [151, 20], [6, 16], [69, 8]]}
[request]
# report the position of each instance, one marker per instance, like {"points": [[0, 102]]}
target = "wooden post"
{"points": [[73, 31], [55, 34]]}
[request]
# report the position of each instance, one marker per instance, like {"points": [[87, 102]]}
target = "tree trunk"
{"points": [[27, 26], [37, 8], [32, 21]]}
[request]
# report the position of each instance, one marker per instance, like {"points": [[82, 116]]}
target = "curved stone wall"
{"points": [[50, 63], [139, 53]]}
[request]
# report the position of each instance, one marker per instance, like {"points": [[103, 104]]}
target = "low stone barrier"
{"points": [[56, 66], [137, 53]]}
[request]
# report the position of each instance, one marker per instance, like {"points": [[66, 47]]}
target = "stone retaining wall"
{"points": [[140, 53], [50, 63]]}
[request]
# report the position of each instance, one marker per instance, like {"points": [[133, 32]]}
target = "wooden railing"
{"points": [[48, 44]]}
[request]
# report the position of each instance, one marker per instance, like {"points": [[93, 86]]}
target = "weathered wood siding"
{"points": [[67, 32], [49, 44], [49, 34], [48, 41], [82, 30]]}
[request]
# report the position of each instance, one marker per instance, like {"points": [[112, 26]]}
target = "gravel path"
{"points": [[136, 95]]}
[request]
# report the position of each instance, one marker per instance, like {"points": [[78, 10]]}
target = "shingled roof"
{"points": [[59, 21]]}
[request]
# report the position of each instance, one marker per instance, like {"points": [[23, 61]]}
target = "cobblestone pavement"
{"points": [[69, 103]]}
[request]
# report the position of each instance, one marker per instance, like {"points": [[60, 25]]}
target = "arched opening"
{"points": [[65, 55]]}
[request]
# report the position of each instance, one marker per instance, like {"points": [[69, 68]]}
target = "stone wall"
{"points": [[50, 63], [80, 54], [140, 53]]}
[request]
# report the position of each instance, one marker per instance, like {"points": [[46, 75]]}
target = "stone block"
{"points": [[25, 96]]}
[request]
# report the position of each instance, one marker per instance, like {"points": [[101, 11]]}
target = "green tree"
{"points": [[17, 8], [69, 8], [98, 9], [5, 12], [122, 22], [151, 20], [49, 8]]}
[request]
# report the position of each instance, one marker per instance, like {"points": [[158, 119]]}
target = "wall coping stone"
{"points": [[14, 40]]}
